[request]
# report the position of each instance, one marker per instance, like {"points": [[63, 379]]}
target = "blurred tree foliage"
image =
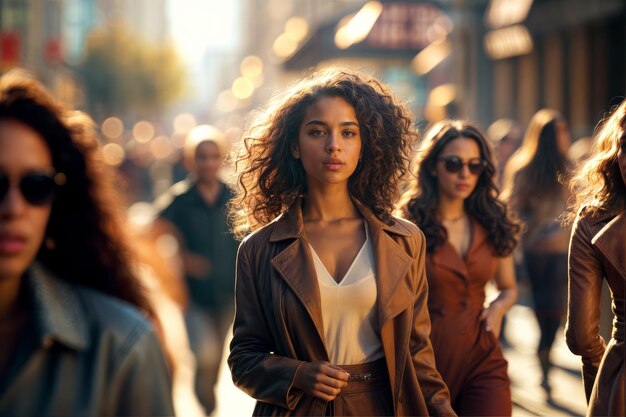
{"points": [[123, 73]]}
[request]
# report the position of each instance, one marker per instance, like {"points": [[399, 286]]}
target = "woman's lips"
{"points": [[10, 244], [333, 166], [462, 187]]}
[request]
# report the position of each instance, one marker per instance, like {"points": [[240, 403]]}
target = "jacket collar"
{"points": [[290, 225], [57, 309], [610, 240], [295, 264]]}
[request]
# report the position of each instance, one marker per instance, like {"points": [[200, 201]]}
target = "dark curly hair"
{"points": [[420, 201], [85, 225], [598, 185], [271, 179]]}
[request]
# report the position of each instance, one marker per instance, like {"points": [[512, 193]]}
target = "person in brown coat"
{"points": [[597, 252], [470, 240], [331, 314]]}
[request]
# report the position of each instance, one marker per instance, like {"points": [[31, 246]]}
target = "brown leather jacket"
{"points": [[598, 251], [278, 320]]}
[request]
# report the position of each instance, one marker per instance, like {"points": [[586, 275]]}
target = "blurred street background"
{"points": [[148, 71]]}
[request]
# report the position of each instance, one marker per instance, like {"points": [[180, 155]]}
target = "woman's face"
{"points": [[329, 141], [458, 168], [208, 160], [563, 140], [22, 224]]}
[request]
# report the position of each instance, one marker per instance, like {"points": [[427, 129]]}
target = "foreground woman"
{"points": [[73, 341], [331, 315]]}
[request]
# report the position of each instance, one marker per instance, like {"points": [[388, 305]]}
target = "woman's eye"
{"points": [[317, 132], [349, 133]]}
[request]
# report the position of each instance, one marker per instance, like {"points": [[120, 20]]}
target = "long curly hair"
{"points": [[85, 225], [598, 185], [271, 179], [538, 169], [420, 201]]}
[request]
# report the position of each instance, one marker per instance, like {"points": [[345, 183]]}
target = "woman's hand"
{"points": [[492, 317], [321, 379]]}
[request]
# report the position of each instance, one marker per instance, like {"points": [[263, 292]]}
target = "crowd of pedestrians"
{"points": [[350, 255]]}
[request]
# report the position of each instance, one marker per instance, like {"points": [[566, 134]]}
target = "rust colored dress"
{"points": [[467, 355]]}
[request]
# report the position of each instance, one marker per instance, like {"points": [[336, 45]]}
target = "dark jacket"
{"points": [[278, 321], [598, 252], [84, 354], [205, 232]]}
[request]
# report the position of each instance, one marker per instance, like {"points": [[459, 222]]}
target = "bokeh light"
{"points": [[113, 154], [112, 128], [143, 131], [184, 122], [243, 88], [251, 66]]}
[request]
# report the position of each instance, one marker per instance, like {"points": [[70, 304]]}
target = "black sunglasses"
{"points": [[37, 188], [454, 164]]}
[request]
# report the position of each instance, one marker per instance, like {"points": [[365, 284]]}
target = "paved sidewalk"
{"points": [[529, 399]]}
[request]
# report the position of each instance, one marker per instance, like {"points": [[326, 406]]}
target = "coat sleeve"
{"points": [[255, 368], [435, 390], [582, 330], [141, 383]]}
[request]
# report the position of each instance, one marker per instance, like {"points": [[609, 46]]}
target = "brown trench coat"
{"points": [[468, 355], [278, 320], [598, 251]]}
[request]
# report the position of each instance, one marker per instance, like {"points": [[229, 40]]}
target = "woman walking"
{"points": [[331, 315], [535, 190], [470, 238], [598, 252], [75, 339]]}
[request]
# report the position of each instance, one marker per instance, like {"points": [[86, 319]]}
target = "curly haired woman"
{"points": [[74, 339], [597, 252], [331, 315], [470, 236]]}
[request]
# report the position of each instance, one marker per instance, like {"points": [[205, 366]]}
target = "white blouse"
{"points": [[348, 309]]}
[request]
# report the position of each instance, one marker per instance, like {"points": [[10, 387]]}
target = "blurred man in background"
{"points": [[197, 208]]}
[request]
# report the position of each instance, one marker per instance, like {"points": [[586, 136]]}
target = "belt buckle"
{"points": [[360, 377]]}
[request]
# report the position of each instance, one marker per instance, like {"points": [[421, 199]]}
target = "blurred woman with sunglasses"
{"points": [[534, 189], [73, 339], [470, 238], [598, 252]]}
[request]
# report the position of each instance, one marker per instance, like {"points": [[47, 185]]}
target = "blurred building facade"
{"points": [[477, 59], [569, 55], [47, 37]]}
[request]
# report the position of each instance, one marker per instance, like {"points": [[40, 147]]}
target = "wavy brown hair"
{"points": [[271, 179], [85, 225], [598, 185], [420, 201], [538, 169]]}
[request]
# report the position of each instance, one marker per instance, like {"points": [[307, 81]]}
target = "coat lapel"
{"points": [[392, 265], [611, 241], [295, 263]]}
